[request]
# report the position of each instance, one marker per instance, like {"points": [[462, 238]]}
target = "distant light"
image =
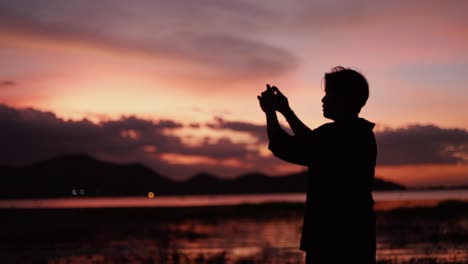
{"points": [[151, 195], [74, 192], [82, 192]]}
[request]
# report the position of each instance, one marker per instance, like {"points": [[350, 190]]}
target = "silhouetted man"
{"points": [[339, 221]]}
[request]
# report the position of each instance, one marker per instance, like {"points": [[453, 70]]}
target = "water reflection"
{"points": [[235, 235]]}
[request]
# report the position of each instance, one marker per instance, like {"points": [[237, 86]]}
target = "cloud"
{"points": [[257, 131], [209, 35], [220, 149], [29, 135], [7, 83], [412, 145], [228, 33], [194, 125], [422, 144], [210, 41]]}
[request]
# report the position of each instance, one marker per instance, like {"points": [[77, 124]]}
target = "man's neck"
{"points": [[346, 119]]}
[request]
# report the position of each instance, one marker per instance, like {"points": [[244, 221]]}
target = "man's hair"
{"points": [[348, 83]]}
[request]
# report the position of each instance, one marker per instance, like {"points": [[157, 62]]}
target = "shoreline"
{"points": [[384, 200], [243, 209]]}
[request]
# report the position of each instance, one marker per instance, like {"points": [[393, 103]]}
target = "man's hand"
{"points": [[282, 104], [268, 100]]}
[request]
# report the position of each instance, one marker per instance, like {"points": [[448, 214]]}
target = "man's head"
{"points": [[346, 92]]}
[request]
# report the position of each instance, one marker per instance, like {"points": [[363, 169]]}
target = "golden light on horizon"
{"points": [[174, 158], [151, 195]]}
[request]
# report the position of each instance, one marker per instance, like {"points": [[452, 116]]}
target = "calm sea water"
{"points": [[403, 198]]}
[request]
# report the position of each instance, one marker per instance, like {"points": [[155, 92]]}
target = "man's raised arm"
{"points": [[283, 145], [297, 126]]}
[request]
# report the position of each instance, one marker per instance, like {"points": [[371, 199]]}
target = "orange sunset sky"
{"points": [[173, 84]]}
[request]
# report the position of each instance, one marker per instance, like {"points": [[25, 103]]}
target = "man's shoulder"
{"points": [[325, 127], [323, 130], [357, 127], [359, 123]]}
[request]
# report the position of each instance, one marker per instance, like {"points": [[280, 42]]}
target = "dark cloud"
{"points": [[415, 144], [257, 131], [194, 125], [422, 144], [7, 83], [209, 34], [29, 135], [222, 148]]}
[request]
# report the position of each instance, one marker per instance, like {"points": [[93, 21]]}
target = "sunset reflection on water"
{"points": [[232, 234], [385, 200]]}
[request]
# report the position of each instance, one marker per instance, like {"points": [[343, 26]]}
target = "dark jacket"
{"points": [[341, 158]]}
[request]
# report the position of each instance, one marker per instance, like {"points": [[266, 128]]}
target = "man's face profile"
{"points": [[333, 105]]}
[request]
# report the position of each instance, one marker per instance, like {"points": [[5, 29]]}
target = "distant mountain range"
{"points": [[82, 175]]}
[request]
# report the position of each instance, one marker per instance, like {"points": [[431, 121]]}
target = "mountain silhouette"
{"points": [[83, 175], [64, 175]]}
